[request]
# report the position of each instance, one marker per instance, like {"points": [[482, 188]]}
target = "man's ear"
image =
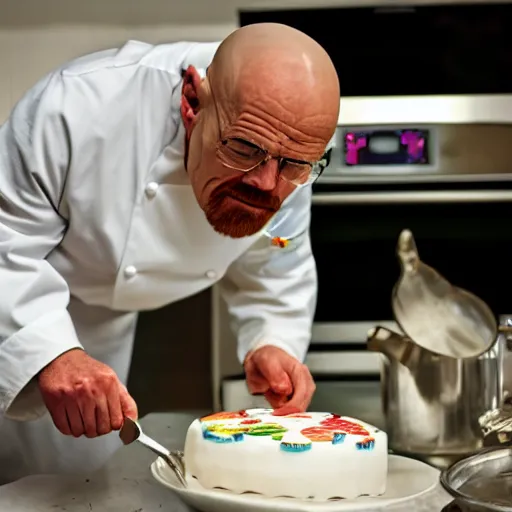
{"points": [[189, 97]]}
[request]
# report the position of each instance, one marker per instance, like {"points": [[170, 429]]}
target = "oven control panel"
{"points": [[403, 150], [431, 152], [374, 147]]}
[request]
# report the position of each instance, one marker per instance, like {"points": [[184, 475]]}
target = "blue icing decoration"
{"points": [[366, 445], [338, 438], [295, 447], [216, 438]]}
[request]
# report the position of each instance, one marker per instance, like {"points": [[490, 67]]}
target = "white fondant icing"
{"points": [[318, 457]]}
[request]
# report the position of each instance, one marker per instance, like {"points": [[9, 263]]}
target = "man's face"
{"points": [[236, 203], [232, 161]]}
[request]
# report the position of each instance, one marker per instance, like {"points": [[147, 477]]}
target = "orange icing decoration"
{"points": [[225, 416]]}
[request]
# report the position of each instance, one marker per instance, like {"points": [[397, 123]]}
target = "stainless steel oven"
{"points": [[424, 142], [440, 166]]}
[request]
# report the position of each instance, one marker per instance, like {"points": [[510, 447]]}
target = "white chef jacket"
{"points": [[95, 205]]}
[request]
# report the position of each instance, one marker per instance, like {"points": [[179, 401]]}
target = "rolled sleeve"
{"points": [[35, 326], [36, 345], [271, 292]]}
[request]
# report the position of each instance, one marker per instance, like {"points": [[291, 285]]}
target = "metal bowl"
{"points": [[483, 480]]}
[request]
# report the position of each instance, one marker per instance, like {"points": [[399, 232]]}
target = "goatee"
{"points": [[238, 210]]}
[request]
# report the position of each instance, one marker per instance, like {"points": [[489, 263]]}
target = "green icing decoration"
{"points": [[266, 429], [278, 437]]}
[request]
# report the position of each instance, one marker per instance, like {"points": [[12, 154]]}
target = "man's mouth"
{"points": [[251, 203]]}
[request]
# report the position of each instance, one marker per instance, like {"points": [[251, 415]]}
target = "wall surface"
{"points": [[37, 35], [29, 52]]}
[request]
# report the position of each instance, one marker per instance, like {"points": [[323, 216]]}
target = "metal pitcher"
{"points": [[437, 315]]}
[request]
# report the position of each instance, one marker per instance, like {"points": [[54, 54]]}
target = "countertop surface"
{"points": [[125, 484]]}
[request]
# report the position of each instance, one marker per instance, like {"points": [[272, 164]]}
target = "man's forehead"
{"points": [[291, 119]]}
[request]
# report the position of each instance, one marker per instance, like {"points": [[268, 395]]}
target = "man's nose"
{"points": [[263, 177]]}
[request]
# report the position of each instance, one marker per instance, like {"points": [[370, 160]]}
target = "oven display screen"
{"points": [[386, 147]]}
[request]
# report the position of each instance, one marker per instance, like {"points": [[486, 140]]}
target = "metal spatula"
{"points": [[436, 315], [131, 431]]}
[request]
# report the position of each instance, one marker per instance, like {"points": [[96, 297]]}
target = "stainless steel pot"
{"points": [[448, 369], [432, 403]]}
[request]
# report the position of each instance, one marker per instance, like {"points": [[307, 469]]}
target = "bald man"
{"points": [[135, 177]]}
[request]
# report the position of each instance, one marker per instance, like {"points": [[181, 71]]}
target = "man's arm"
{"points": [[271, 292], [35, 327]]}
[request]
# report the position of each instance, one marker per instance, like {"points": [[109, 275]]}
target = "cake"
{"points": [[315, 455]]}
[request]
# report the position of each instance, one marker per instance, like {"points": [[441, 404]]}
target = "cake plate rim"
{"points": [[400, 469]]}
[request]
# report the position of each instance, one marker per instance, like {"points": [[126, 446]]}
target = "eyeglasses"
{"points": [[241, 155]]}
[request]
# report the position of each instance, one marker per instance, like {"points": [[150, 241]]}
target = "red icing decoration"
{"points": [[331, 426], [298, 416], [249, 422], [318, 434], [344, 426]]}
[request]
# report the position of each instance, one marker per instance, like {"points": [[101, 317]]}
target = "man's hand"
{"points": [[84, 396], [286, 383]]}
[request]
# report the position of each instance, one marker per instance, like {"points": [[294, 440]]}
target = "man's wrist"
{"points": [[256, 346], [71, 350], [262, 344]]}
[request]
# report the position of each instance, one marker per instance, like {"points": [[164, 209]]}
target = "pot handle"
{"points": [[496, 426], [505, 328]]}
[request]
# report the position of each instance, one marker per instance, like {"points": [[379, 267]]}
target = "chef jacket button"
{"points": [[151, 189], [130, 271], [211, 274]]}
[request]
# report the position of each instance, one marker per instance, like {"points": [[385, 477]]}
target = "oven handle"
{"points": [[421, 197]]}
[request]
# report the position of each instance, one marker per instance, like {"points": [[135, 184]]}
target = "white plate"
{"points": [[407, 480]]}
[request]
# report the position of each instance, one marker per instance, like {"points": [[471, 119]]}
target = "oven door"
{"points": [[464, 232]]}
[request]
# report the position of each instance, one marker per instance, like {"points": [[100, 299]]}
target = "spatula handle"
{"points": [[154, 446]]}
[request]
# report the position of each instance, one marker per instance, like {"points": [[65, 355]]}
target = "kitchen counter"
{"points": [[125, 484]]}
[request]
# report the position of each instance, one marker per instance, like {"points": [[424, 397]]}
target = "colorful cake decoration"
{"points": [[338, 438], [225, 416], [366, 444], [295, 433], [222, 438], [308, 456], [295, 442], [265, 429]]}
